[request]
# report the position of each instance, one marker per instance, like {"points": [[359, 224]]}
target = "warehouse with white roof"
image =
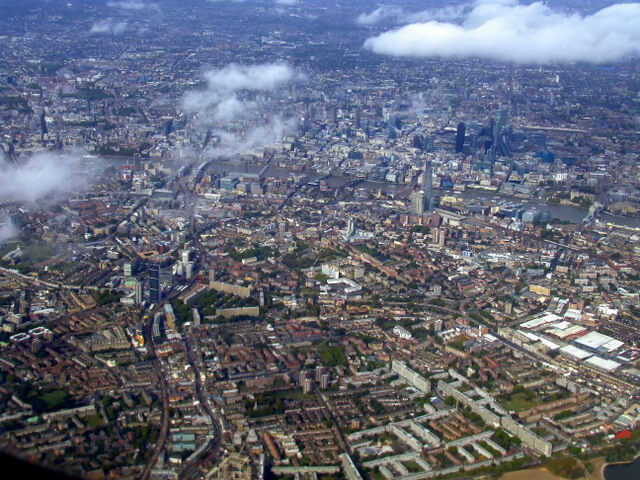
{"points": [[541, 320], [575, 352], [593, 340], [602, 364]]}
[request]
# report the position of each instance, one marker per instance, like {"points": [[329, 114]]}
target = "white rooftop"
{"points": [[541, 320], [593, 340], [549, 344], [603, 363], [574, 314], [575, 352], [572, 330], [530, 336], [612, 345], [562, 325]]}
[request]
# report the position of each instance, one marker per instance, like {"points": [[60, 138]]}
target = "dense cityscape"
{"points": [[251, 240]]}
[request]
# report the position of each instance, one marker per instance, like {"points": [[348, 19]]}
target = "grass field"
{"points": [[53, 399], [519, 402], [332, 355], [413, 467], [95, 420]]}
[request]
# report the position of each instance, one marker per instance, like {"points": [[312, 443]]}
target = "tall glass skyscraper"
{"points": [[154, 283], [427, 186]]}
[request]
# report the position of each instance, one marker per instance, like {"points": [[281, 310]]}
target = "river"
{"points": [[623, 471], [561, 212]]}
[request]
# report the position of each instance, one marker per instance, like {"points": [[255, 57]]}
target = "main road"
{"points": [[164, 393], [214, 444]]}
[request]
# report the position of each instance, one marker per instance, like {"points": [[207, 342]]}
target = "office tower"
{"points": [[350, 227], [503, 145], [474, 141], [417, 202], [460, 137], [498, 130], [490, 156], [503, 119], [127, 270], [493, 129], [332, 114], [155, 293], [166, 278], [429, 144], [418, 142], [357, 116], [446, 182], [138, 293], [427, 186], [212, 275]]}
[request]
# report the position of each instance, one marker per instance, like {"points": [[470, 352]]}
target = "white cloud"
{"points": [[379, 15], [242, 106], [7, 229], [398, 16], [232, 143], [230, 109], [219, 99], [509, 31], [108, 26], [277, 2], [132, 5], [265, 77], [43, 176]]}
